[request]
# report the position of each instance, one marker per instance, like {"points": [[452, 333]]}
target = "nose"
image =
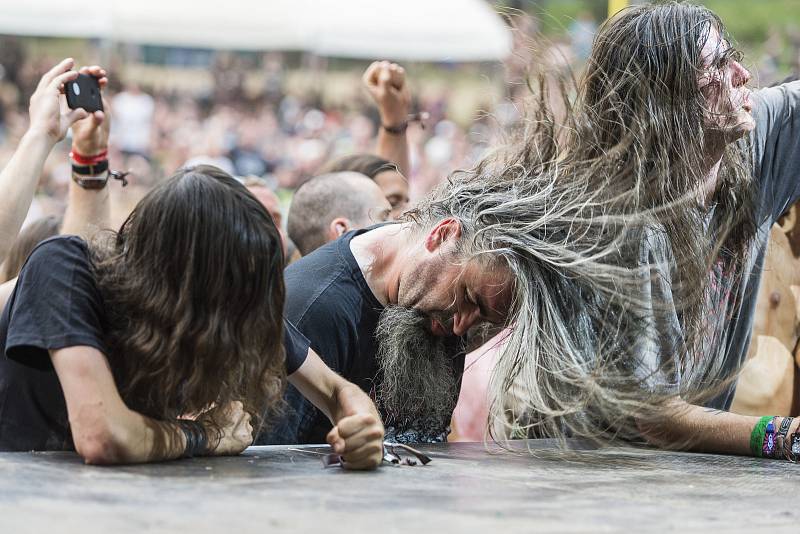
{"points": [[463, 321], [740, 74]]}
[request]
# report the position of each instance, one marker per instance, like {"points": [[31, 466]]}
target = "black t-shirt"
{"points": [[329, 301], [56, 304]]}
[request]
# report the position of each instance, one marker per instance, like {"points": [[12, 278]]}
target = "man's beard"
{"points": [[419, 381]]}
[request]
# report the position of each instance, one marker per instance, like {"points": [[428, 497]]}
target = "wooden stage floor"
{"points": [[469, 487]]}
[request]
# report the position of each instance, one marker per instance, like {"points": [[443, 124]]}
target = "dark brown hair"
{"points": [[193, 282], [26, 241], [367, 164]]}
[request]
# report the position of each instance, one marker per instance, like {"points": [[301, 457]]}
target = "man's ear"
{"points": [[337, 227], [446, 229]]}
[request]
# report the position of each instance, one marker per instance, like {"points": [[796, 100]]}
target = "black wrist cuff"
{"points": [[196, 438], [396, 130], [91, 170]]}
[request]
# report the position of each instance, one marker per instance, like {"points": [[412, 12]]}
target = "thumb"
{"points": [[75, 115], [335, 440], [98, 117]]}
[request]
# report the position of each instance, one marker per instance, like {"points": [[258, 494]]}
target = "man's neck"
{"points": [[380, 254], [710, 170]]}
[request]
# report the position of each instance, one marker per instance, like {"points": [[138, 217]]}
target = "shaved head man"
{"points": [[327, 206]]}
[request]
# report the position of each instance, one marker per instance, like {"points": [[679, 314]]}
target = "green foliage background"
{"points": [[749, 21]]}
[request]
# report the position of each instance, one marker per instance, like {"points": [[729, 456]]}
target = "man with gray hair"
{"points": [[327, 206], [390, 308]]}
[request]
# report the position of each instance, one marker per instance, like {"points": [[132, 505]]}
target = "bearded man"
{"points": [[702, 166], [388, 307]]}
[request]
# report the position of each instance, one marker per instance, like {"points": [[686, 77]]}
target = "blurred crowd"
{"points": [[280, 136]]}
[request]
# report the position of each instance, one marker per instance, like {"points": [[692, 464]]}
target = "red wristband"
{"points": [[80, 159]]}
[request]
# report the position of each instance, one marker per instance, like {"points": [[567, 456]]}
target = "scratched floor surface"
{"points": [[467, 488]]}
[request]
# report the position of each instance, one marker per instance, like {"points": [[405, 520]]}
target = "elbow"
{"points": [[98, 445]]}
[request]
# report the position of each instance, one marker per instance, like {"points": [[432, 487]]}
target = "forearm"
{"points": [[88, 210], [317, 383], [6, 288], [706, 430], [18, 182], [394, 148], [347, 396], [330, 393], [125, 438]]}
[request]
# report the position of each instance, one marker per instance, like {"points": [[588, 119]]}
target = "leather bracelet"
{"points": [[396, 130], [196, 438], [90, 182], [94, 169]]}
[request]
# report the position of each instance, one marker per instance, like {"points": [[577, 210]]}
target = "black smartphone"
{"points": [[84, 92]]}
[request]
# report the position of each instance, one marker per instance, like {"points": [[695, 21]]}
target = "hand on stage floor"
{"points": [[232, 424], [358, 434]]}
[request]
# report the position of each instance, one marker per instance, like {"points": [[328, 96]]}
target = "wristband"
{"points": [[782, 439], [91, 176], [757, 435], [92, 169], [768, 445], [396, 130], [196, 438], [80, 159]]}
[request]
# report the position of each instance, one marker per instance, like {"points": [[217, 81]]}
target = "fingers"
{"points": [[245, 419], [58, 82], [75, 115], [384, 73], [364, 438], [97, 72], [354, 433], [98, 117], [49, 76], [397, 75], [234, 409], [349, 426], [229, 415], [369, 456], [336, 442], [384, 77], [370, 77], [244, 430]]}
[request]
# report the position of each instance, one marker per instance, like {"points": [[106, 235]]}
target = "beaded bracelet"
{"points": [[768, 444]]}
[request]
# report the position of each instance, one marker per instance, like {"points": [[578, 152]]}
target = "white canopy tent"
{"points": [[420, 30]]}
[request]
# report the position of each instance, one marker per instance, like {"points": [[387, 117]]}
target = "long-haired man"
{"points": [[161, 341], [669, 145]]}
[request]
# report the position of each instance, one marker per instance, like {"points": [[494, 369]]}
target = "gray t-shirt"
{"points": [[776, 170]]}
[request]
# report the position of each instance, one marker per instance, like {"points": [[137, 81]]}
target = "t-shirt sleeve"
{"points": [[55, 304], [296, 346], [776, 146]]}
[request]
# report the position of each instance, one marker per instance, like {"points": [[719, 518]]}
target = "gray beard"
{"points": [[419, 382]]}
